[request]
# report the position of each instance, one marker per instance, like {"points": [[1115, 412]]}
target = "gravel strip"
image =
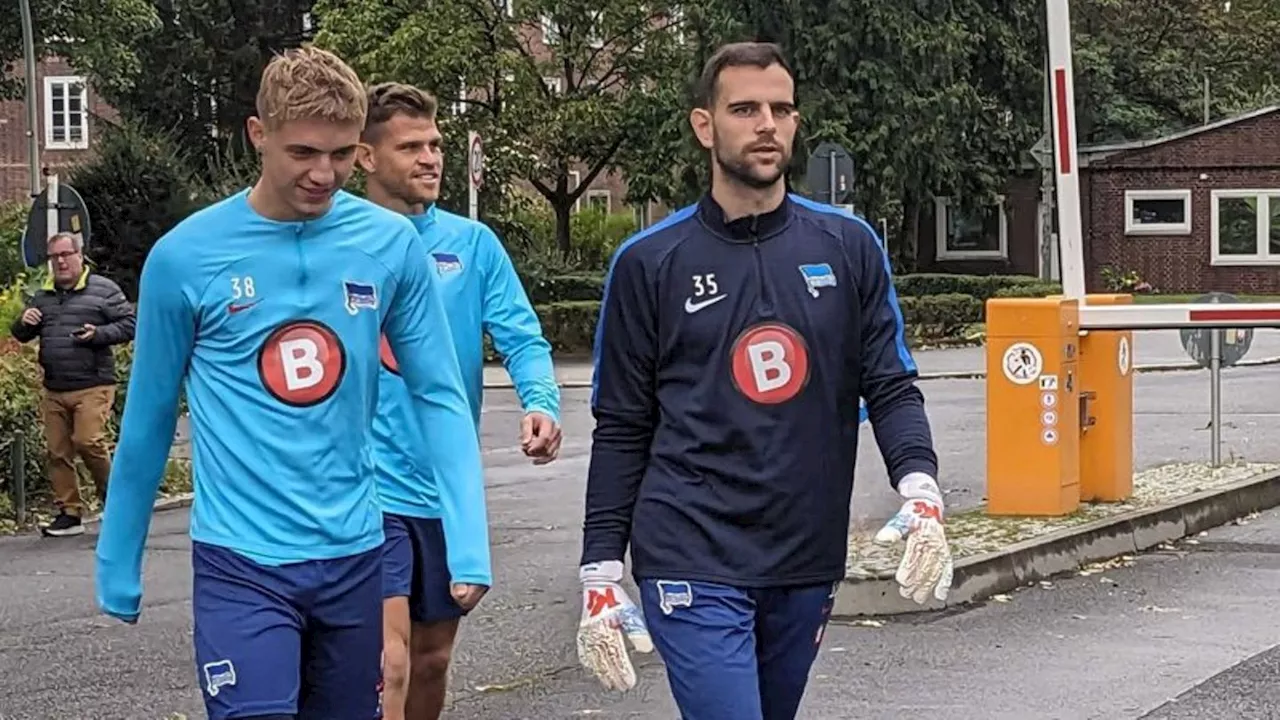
{"points": [[973, 532]]}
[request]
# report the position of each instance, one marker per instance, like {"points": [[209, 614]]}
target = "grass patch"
{"points": [[1163, 299]]}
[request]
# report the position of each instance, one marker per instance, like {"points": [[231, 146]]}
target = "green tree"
{"points": [[96, 36], [1141, 65], [929, 97], [204, 59], [551, 86]]}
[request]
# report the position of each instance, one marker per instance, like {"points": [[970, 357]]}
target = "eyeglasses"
{"points": [[63, 255]]}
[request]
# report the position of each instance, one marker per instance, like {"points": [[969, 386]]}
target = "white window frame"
{"points": [[575, 179], [550, 31], [1262, 248], [605, 193], [554, 84], [941, 207], [1132, 228], [68, 81]]}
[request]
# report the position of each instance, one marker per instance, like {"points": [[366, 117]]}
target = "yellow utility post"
{"points": [[1033, 411], [1106, 421]]}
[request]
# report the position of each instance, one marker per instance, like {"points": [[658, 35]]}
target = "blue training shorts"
{"points": [[302, 639], [736, 653], [415, 565]]}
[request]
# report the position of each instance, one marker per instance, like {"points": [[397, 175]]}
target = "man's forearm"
{"points": [[619, 457], [902, 429]]}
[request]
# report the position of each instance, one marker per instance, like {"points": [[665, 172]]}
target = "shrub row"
{"points": [[590, 286], [570, 325]]}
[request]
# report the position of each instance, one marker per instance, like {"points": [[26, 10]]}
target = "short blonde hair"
{"points": [[308, 82]]}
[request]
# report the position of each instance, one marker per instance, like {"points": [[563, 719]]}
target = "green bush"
{"points": [[529, 235], [982, 287], [938, 316], [137, 187], [569, 326], [20, 395], [565, 288], [1030, 290], [13, 223]]}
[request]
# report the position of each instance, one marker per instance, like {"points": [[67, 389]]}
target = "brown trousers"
{"points": [[75, 424]]}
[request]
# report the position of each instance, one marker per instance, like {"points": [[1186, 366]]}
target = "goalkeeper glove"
{"points": [[609, 618], [926, 567]]}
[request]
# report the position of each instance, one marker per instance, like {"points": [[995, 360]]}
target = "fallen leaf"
{"points": [[1001, 598], [1079, 617]]}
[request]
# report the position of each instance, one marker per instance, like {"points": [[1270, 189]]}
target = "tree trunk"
{"points": [[563, 210], [909, 237]]}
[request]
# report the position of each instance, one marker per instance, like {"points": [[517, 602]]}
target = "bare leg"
{"points": [[395, 657], [429, 669]]}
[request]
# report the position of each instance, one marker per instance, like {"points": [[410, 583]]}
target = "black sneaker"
{"points": [[63, 526]]}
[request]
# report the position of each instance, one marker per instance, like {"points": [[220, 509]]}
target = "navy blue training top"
{"points": [[729, 362]]}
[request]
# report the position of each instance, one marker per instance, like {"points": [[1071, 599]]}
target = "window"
{"points": [[550, 31], [600, 200], [1157, 212], [1245, 227], [971, 235], [575, 178], [66, 118], [553, 84]]}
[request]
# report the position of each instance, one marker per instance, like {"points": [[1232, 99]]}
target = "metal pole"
{"points": [[1215, 397], [831, 166], [18, 465], [52, 220], [33, 116], [1206, 98]]}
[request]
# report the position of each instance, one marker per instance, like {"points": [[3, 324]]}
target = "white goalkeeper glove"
{"points": [[926, 567], [608, 614]]}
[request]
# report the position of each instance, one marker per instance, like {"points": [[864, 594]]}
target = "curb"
{"points": [[173, 502], [957, 374], [980, 576]]}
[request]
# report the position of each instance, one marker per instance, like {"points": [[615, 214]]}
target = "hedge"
{"points": [[590, 286]]}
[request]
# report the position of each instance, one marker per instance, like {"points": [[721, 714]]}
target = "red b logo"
{"points": [[770, 363], [301, 363], [387, 357]]}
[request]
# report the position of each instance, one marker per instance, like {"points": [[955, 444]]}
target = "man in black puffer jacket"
{"points": [[78, 316]]}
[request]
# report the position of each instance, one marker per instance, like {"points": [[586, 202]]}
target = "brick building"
{"points": [[68, 112], [1189, 212]]}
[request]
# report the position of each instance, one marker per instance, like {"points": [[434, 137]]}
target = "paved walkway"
{"points": [[1153, 349]]}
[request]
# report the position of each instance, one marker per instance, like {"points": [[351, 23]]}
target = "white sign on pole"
{"points": [[475, 172]]}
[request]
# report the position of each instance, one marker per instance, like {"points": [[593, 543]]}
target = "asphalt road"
{"points": [[1034, 657]]}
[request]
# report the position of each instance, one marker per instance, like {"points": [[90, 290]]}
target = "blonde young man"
{"points": [[429, 585], [269, 306]]}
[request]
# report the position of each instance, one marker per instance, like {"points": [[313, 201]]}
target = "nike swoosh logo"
{"points": [[233, 308], [692, 307]]}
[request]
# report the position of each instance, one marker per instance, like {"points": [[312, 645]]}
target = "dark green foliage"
{"points": [[138, 187]]}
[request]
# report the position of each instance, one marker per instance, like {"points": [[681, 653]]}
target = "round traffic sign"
{"points": [[475, 160], [1234, 343]]}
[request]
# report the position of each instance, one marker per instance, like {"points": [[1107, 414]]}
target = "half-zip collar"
{"points": [[747, 229], [425, 219]]}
